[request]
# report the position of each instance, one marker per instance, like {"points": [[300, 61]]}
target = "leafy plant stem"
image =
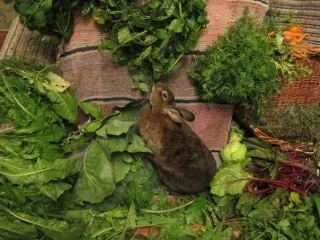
{"points": [[101, 231], [168, 210]]}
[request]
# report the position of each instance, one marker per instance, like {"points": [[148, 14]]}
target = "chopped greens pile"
{"points": [[245, 65], [152, 37], [52, 18]]}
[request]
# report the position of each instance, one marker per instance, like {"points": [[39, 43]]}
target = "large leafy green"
{"points": [[64, 104], [230, 179], [16, 229], [20, 171], [120, 167], [56, 229], [96, 180], [54, 190], [35, 125]]}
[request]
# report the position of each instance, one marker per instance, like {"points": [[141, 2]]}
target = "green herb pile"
{"points": [[150, 38], [244, 66], [52, 18]]}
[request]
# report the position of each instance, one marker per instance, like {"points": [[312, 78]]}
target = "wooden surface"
{"points": [[3, 35], [21, 43]]}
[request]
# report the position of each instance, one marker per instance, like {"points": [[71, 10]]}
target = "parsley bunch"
{"points": [[239, 68], [150, 38]]}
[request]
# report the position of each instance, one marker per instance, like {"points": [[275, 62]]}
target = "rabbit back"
{"points": [[185, 165]]}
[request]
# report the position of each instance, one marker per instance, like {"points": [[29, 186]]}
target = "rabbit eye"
{"points": [[165, 95]]}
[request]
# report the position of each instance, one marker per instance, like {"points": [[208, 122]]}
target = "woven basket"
{"points": [[305, 92]]}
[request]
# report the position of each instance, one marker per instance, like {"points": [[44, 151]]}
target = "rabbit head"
{"points": [[162, 99]]}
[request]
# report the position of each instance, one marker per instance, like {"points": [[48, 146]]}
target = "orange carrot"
{"points": [[296, 29]]}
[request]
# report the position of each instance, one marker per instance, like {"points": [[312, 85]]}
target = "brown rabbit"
{"points": [[185, 165]]}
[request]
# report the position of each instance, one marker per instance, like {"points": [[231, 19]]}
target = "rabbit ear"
{"points": [[174, 115], [186, 114], [178, 115]]}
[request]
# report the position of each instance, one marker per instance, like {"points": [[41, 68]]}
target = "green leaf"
{"points": [[295, 197], [137, 145], [96, 180], [13, 193], [124, 35], [195, 213], [26, 9], [111, 3], [86, 215], [55, 83], [317, 203], [150, 39], [102, 132], [127, 157], [146, 53], [57, 230], [117, 143], [65, 104], [161, 33], [16, 230], [91, 109], [261, 213], [117, 127], [120, 167], [132, 217], [74, 144], [20, 171], [230, 179], [227, 234], [91, 126], [54, 190], [176, 25], [144, 87], [246, 203]]}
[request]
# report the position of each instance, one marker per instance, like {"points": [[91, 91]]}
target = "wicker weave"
{"points": [[304, 91]]}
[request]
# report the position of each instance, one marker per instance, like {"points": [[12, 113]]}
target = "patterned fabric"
{"points": [[7, 14], [305, 12], [263, 1]]}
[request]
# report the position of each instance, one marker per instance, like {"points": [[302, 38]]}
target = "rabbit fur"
{"points": [[184, 163]]}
